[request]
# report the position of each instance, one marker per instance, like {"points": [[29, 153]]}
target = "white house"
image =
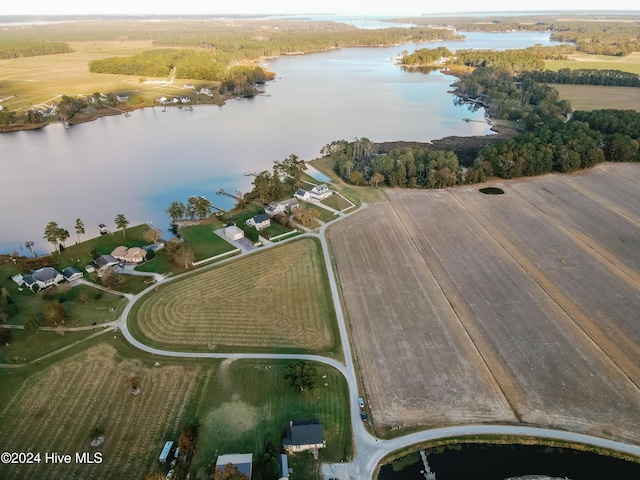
{"points": [[43, 278], [302, 194], [260, 221], [302, 436], [320, 191], [205, 91], [122, 98], [234, 233], [71, 274], [189, 86], [284, 206]]}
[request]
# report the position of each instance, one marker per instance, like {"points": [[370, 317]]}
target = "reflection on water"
{"points": [[139, 164]]}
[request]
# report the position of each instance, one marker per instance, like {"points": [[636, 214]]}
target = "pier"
{"points": [[220, 191], [428, 474]]}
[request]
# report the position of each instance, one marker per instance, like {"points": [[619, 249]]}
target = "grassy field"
{"points": [[25, 347], [251, 403], [55, 409], [594, 97], [203, 241], [274, 230], [542, 283], [336, 202], [324, 214], [277, 299], [630, 63]]}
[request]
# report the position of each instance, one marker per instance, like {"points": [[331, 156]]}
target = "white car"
{"points": [[361, 402]]}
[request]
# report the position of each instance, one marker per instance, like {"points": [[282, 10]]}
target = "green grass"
{"points": [[25, 347], [203, 241], [251, 403], [274, 230], [630, 63], [325, 215], [594, 97], [80, 255], [251, 210], [336, 202], [160, 264]]}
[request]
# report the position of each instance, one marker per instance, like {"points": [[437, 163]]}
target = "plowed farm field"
{"points": [[56, 409], [277, 299], [521, 307]]}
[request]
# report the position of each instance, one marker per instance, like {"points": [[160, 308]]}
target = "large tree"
{"points": [[229, 472], [52, 234], [121, 222], [79, 228], [176, 211], [301, 374]]}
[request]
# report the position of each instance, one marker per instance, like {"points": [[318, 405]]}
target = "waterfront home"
{"points": [[260, 221], [43, 278], [302, 194], [283, 206], [71, 274]]}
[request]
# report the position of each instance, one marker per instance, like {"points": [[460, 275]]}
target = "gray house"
{"points": [[302, 436], [43, 278], [71, 273]]}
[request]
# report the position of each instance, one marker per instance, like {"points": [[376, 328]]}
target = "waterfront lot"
{"points": [[277, 299], [541, 283]]}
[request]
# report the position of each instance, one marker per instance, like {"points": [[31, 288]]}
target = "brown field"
{"points": [[56, 409], [595, 97], [276, 299], [524, 304]]}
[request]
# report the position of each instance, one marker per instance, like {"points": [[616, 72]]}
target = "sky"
{"points": [[372, 7]]}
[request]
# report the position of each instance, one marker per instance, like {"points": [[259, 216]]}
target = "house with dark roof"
{"points": [[43, 278], [242, 461], [260, 221], [71, 273], [303, 436], [302, 194]]}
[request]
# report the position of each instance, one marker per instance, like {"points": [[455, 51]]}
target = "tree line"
{"points": [[31, 48], [281, 182], [189, 63], [513, 60], [586, 76]]}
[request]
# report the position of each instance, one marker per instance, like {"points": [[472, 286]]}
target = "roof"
{"points": [[301, 191], [241, 460], [288, 202], [233, 229], [70, 271], [104, 260], [262, 217], [306, 433], [135, 252], [120, 251], [44, 274], [284, 466]]}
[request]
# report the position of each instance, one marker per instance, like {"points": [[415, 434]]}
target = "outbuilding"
{"points": [[242, 461], [165, 452], [233, 232], [71, 274]]}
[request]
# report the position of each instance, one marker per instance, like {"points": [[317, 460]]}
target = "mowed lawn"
{"points": [[204, 242], [275, 300], [246, 403], [630, 63], [55, 409]]}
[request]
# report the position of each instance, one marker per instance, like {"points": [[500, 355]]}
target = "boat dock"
{"points": [[428, 474], [220, 191]]}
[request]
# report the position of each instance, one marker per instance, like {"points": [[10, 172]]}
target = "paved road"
{"points": [[368, 449]]}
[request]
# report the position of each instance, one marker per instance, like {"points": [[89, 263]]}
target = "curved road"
{"points": [[368, 449]]}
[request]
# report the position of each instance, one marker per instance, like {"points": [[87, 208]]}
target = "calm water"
{"points": [[497, 462], [138, 165]]}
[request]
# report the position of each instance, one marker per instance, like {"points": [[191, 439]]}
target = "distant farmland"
{"points": [[520, 307]]}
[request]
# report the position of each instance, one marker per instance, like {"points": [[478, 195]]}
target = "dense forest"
{"points": [[586, 76], [513, 60], [31, 48], [495, 89], [189, 63]]}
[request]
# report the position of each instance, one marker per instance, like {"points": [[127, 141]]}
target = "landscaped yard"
{"points": [[203, 240], [274, 230], [325, 215], [273, 300], [251, 403], [336, 202]]}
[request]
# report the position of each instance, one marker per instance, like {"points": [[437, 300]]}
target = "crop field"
{"points": [[56, 409], [630, 63], [275, 299], [595, 97], [541, 283]]}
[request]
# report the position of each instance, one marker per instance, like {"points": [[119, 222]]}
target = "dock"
{"points": [[428, 474], [220, 191]]}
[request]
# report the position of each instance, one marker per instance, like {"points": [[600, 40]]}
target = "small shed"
{"points": [[233, 232], [165, 452], [284, 467]]}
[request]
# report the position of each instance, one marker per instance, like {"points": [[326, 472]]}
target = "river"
{"points": [[138, 165]]}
